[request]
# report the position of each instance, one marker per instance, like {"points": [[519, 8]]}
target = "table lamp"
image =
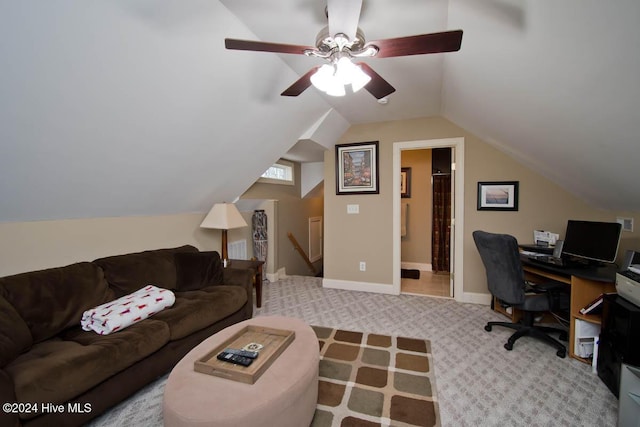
{"points": [[224, 216]]}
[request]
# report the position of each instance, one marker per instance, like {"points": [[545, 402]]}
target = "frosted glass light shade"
{"points": [[359, 79], [325, 80], [322, 78]]}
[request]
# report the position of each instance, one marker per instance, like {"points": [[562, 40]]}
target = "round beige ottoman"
{"points": [[285, 395]]}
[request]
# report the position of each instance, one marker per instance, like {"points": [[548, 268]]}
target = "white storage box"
{"points": [[586, 335]]}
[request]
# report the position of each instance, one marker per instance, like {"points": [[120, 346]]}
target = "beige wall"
{"points": [[293, 213], [348, 239], [26, 246], [416, 245], [368, 236]]}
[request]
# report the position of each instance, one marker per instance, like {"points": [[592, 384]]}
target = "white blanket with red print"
{"points": [[127, 310]]}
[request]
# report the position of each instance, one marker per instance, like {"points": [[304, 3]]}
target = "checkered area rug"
{"points": [[369, 379]]}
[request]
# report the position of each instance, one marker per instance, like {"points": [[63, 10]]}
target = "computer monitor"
{"points": [[592, 241]]}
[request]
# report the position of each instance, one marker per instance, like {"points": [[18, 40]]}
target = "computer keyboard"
{"points": [[547, 259], [531, 254]]}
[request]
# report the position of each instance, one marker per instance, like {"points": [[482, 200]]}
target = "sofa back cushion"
{"points": [[130, 272], [14, 333], [51, 300], [198, 270]]}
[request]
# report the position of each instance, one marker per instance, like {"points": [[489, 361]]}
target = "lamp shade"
{"points": [[223, 216]]}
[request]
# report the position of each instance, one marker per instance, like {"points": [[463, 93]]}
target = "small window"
{"points": [[280, 173]]}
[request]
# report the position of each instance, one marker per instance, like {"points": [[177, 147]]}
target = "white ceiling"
{"points": [[554, 83], [134, 107]]}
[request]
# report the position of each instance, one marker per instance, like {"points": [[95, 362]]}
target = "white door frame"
{"points": [[457, 144]]}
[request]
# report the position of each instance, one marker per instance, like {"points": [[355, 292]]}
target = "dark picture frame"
{"points": [[405, 182], [357, 169], [498, 195]]}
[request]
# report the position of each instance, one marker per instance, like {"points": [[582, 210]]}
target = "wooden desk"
{"points": [[256, 267], [586, 284]]}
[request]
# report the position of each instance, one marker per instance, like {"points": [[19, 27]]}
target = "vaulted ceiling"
{"points": [[134, 107]]}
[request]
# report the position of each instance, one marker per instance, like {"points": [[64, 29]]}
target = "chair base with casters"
{"points": [[526, 328]]}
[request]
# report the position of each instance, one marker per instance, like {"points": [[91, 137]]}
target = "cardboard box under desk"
{"points": [[274, 342]]}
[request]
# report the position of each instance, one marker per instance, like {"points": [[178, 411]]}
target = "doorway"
{"points": [[454, 281], [425, 222]]}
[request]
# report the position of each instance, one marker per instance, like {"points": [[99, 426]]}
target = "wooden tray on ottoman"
{"points": [[274, 342]]}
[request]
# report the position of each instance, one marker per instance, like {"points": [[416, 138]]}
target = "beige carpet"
{"points": [[479, 383], [374, 380]]}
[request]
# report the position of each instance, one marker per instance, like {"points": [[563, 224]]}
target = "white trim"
{"points": [[475, 298], [280, 274], [348, 285], [315, 241], [458, 229], [416, 266]]}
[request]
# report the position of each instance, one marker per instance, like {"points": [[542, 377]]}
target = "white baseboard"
{"points": [[380, 288], [348, 285], [475, 298], [416, 266], [280, 274]]}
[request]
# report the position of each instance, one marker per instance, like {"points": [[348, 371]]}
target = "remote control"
{"points": [[244, 353], [234, 358]]}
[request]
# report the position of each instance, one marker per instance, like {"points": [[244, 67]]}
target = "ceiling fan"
{"points": [[341, 42]]}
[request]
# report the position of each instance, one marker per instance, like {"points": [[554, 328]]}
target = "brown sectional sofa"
{"points": [[47, 359]]}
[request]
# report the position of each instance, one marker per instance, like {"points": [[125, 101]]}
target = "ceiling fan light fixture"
{"points": [[359, 79], [341, 42], [344, 70], [321, 79], [336, 89], [351, 74], [325, 79]]}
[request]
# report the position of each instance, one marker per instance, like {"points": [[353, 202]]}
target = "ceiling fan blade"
{"points": [[343, 17], [301, 84], [377, 86], [447, 41], [258, 46]]}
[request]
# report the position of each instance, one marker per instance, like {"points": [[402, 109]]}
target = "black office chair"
{"points": [[505, 277]]}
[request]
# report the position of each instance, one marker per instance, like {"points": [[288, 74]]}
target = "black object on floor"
{"points": [[409, 274]]}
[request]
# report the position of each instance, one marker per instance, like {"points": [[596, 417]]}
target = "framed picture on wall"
{"points": [[498, 196], [357, 168], [405, 182]]}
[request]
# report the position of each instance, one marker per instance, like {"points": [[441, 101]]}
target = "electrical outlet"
{"points": [[363, 266]]}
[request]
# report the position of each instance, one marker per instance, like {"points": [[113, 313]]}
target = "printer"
{"points": [[628, 279]]}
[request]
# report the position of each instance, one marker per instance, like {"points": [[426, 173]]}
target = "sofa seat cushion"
{"points": [[52, 300], [66, 366], [195, 310], [128, 273]]}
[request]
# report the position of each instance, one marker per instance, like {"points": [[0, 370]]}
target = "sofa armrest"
{"points": [[7, 395], [240, 277]]}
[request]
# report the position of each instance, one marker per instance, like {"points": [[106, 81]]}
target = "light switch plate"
{"points": [[353, 209]]}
